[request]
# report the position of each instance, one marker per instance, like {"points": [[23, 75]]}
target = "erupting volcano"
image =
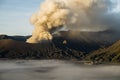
{"points": [[82, 15]]}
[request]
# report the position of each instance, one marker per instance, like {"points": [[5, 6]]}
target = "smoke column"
{"points": [[91, 15]]}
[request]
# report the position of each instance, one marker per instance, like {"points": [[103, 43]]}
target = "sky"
{"points": [[15, 15]]}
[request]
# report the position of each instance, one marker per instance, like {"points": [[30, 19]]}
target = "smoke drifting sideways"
{"points": [[54, 15]]}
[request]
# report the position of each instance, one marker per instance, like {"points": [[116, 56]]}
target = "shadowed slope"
{"points": [[110, 54], [16, 49], [65, 45]]}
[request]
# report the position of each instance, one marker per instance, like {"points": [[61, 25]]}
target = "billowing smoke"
{"points": [[52, 16], [92, 15]]}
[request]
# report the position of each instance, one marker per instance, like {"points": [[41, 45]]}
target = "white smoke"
{"points": [[52, 15], [74, 15]]}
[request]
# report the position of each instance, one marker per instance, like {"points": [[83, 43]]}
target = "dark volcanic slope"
{"points": [[16, 49], [86, 41], [65, 45], [110, 54], [80, 41]]}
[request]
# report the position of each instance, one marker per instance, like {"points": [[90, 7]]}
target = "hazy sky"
{"points": [[15, 14]]}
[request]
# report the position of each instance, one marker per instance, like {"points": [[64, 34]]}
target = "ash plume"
{"points": [[52, 15], [92, 15]]}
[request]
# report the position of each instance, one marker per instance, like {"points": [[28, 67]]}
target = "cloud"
{"points": [[93, 15], [56, 70]]}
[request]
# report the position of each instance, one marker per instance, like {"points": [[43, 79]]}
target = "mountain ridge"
{"points": [[109, 54], [63, 46]]}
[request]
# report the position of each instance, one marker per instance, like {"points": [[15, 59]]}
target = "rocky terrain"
{"points": [[92, 46], [110, 54], [20, 50]]}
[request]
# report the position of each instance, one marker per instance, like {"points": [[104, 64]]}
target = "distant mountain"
{"points": [[110, 54], [17, 38]]}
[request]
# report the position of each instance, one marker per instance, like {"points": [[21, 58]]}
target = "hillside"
{"points": [[12, 49], [21, 50], [110, 54], [80, 41], [65, 45]]}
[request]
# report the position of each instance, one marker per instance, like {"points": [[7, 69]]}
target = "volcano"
{"points": [[65, 45]]}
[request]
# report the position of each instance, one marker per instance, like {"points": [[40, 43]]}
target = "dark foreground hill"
{"points": [[110, 54], [81, 41], [65, 45], [21, 50], [12, 49]]}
